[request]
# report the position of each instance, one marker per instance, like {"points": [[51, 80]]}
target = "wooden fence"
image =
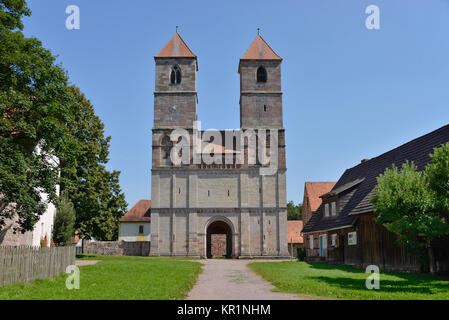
{"points": [[25, 264]]}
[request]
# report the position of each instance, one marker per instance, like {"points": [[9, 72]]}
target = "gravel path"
{"points": [[86, 262], [231, 279]]}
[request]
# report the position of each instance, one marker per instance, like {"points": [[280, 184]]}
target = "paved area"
{"points": [[231, 279], [86, 262]]}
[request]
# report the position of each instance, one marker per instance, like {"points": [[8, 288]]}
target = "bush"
{"points": [[301, 254], [63, 230]]}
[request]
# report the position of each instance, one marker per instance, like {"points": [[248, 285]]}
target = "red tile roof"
{"points": [[294, 228], [316, 189], [175, 48], [139, 213], [260, 50]]}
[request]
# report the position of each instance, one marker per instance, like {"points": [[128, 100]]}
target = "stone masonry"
{"points": [[191, 202]]}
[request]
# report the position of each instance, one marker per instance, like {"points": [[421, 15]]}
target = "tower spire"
{"points": [[258, 31]]}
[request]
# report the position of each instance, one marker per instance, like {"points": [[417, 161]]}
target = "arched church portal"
{"points": [[219, 239]]}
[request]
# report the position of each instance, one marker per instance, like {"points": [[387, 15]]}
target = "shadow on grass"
{"points": [[421, 287], [412, 282], [84, 256]]}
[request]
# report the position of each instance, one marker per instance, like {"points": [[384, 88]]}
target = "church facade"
{"points": [[230, 182]]}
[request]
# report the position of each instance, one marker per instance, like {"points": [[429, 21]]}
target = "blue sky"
{"points": [[349, 92]]}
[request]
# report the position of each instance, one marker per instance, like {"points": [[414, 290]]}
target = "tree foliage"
{"points": [[64, 224], [414, 204], [94, 191], [294, 212], [39, 109], [33, 112]]}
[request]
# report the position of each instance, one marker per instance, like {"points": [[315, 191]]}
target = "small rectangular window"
{"points": [[352, 238], [334, 240], [334, 208], [140, 229], [311, 242], [326, 210]]}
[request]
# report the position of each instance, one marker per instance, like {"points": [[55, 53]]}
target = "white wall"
{"points": [[129, 231]]}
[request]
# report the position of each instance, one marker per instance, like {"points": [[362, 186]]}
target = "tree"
{"points": [[294, 212], [33, 120], [95, 192], [64, 224], [414, 204]]}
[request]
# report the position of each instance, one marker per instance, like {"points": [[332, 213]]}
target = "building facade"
{"points": [[135, 225], [344, 230], [197, 199]]}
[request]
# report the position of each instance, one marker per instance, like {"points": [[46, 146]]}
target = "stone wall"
{"points": [[218, 244], [116, 248]]}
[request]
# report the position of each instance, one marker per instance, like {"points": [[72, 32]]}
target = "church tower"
{"points": [[260, 87], [261, 93], [175, 96]]}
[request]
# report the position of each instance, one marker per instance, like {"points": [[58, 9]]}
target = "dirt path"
{"points": [[86, 262], [224, 279]]}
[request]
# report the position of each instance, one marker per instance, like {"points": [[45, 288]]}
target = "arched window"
{"points": [[175, 75], [261, 74]]}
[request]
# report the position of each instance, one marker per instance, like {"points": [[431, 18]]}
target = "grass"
{"points": [[115, 278], [345, 282]]}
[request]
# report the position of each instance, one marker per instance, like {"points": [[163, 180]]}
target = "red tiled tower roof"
{"points": [[260, 50], [175, 48]]}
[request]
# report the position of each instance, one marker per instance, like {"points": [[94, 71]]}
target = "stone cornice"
{"points": [[218, 210]]}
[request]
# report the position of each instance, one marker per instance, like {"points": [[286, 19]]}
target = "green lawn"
{"points": [[134, 278], [344, 282]]}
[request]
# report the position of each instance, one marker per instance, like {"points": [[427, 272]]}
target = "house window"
{"points": [[140, 229], [175, 75], [352, 238], [334, 208], [311, 242], [261, 75], [326, 210], [265, 108], [334, 240]]}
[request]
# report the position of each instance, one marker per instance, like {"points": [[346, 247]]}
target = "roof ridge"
{"points": [[401, 146]]}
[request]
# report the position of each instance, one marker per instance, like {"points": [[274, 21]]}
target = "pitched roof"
{"points": [[355, 200], [260, 50], [175, 48], [315, 190], [294, 228], [139, 213]]}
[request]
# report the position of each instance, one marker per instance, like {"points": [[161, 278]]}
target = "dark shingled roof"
{"points": [[356, 184]]}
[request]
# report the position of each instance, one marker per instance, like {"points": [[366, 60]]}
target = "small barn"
{"points": [[294, 238], [135, 225]]}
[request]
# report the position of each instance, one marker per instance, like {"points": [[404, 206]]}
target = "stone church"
{"points": [[194, 201]]}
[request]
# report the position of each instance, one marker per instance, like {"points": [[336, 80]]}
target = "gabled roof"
{"points": [[356, 198], [175, 48], [260, 50], [314, 190], [294, 228], [139, 213]]}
